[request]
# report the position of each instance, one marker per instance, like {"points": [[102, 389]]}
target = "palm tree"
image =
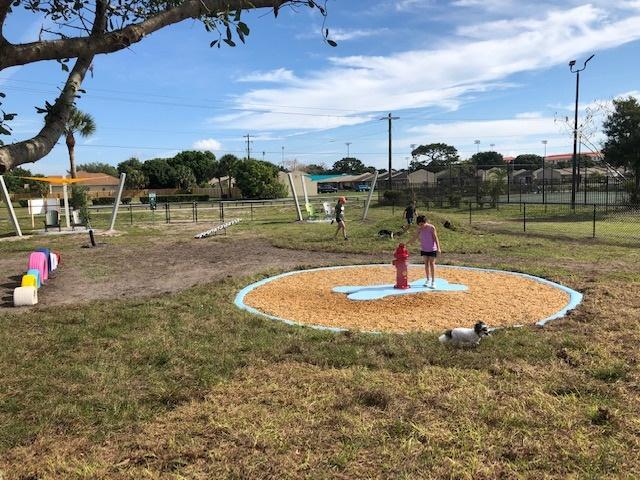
{"points": [[82, 123]]}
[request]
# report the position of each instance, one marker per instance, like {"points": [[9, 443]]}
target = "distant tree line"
{"points": [[189, 169], [349, 165], [186, 170]]}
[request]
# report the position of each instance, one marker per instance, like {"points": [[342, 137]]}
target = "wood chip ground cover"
{"points": [[498, 299]]}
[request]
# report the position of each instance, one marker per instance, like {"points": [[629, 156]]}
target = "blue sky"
{"points": [[453, 71]]}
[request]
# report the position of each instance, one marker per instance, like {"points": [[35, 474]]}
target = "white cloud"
{"points": [[529, 115], [276, 76], [491, 129], [406, 5], [439, 77], [207, 144], [342, 35]]}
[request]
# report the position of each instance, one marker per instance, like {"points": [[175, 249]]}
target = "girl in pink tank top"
{"points": [[429, 248]]}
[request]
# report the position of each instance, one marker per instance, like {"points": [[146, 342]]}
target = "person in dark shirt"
{"points": [[340, 218], [410, 213]]}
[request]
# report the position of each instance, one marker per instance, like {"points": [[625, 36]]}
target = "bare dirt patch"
{"points": [[137, 266]]}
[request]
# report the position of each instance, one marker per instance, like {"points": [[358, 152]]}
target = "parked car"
{"points": [[363, 187], [327, 188]]}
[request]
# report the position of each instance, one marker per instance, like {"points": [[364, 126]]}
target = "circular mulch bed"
{"points": [[495, 297]]}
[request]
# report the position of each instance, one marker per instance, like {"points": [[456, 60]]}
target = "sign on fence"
{"points": [[152, 200], [37, 206]]}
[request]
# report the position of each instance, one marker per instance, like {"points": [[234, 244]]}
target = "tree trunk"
{"points": [[71, 144], [37, 147], [220, 186]]}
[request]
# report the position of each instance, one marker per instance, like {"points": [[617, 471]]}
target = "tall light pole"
{"points": [[492, 145], [389, 118], [413, 147], [347, 144], [577, 71], [282, 156], [477, 142]]}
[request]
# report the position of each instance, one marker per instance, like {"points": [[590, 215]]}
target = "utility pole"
{"points": [[282, 156], [575, 129], [248, 137], [347, 144], [544, 196], [389, 118]]}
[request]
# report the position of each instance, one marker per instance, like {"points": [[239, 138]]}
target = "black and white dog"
{"points": [[389, 234], [465, 337]]}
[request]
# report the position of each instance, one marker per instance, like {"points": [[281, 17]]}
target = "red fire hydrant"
{"points": [[401, 260]]}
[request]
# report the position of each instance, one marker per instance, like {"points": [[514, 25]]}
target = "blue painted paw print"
{"points": [[376, 292]]}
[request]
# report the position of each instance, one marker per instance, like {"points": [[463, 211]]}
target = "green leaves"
{"points": [[5, 117]]}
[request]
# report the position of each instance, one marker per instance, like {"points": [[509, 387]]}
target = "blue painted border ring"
{"points": [[574, 297]]}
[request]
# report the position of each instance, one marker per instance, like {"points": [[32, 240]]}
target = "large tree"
{"points": [[315, 169], [487, 160], [622, 147], [80, 30], [160, 173], [433, 157], [84, 125], [258, 179], [98, 167], [227, 168], [136, 179], [349, 165], [527, 161], [202, 164]]}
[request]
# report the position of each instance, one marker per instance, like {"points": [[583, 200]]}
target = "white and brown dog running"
{"points": [[465, 337]]}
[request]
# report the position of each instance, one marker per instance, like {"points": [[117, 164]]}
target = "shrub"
{"points": [[110, 200], [454, 200], [103, 201], [392, 197], [177, 198], [79, 201]]}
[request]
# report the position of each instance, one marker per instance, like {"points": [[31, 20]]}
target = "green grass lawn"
{"points": [[187, 386]]}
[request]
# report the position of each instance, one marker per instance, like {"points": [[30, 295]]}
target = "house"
{"points": [[301, 180], [568, 157], [549, 175], [221, 187], [491, 174], [98, 183], [421, 177], [521, 176]]}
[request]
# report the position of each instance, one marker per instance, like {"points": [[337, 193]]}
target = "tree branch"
{"points": [[12, 55], [4, 10], [54, 122], [37, 147]]}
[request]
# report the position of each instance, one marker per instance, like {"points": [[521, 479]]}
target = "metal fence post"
{"points": [[196, 206], [131, 213], [251, 207], [606, 188], [222, 210], [594, 220], [167, 215], [524, 217], [469, 212]]}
